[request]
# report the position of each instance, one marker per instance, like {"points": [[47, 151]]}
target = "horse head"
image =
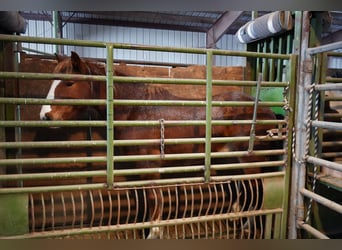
{"points": [[69, 89]]}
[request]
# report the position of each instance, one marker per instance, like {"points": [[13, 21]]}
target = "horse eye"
{"points": [[69, 84]]}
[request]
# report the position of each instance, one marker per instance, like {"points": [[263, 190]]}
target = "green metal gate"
{"points": [[317, 208], [194, 207]]}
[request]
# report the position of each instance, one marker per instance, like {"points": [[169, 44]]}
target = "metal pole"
{"points": [[299, 168], [324, 48], [57, 30], [322, 200], [208, 111], [110, 117]]}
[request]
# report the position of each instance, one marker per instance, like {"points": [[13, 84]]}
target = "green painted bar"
{"points": [[103, 143], [51, 160], [247, 177], [127, 172], [291, 75], [141, 225], [51, 175], [53, 144], [86, 43], [36, 101], [59, 41], [52, 123], [61, 188], [131, 123], [247, 165], [208, 113], [87, 102], [131, 79], [110, 116], [132, 158], [50, 76]]}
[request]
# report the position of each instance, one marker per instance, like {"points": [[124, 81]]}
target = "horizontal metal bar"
{"points": [[324, 48], [331, 143], [142, 225], [248, 176], [333, 79], [313, 231], [134, 158], [86, 43], [334, 54], [52, 123], [89, 102], [40, 101], [133, 79], [322, 200], [327, 125], [324, 163], [133, 123], [61, 188], [98, 173], [124, 184], [53, 144], [134, 184], [327, 86], [261, 164], [332, 98], [140, 171], [52, 160], [184, 156], [332, 154], [197, 122], [101, 143], [50, 76], [52, 175], [58, 41]]}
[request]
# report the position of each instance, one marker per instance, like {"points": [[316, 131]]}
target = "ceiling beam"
{"points": [[221, 26], [333, 37], [154, 17]]}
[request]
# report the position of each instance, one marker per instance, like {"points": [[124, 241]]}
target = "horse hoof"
{"points": [[155, 234]]}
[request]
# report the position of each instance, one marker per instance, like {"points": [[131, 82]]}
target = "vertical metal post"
{"points": [[208, 112], [17, 112], [299, 168], [57, 30], [291, 94], [110, 116]]}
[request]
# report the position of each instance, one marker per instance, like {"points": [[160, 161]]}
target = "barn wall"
{"points": [[155, 37]]}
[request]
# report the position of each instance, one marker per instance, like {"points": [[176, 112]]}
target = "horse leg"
{"points": [[155, 209], [154, 200]]}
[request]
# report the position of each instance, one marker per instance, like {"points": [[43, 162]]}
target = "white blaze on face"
{"points": [[51, 95]]}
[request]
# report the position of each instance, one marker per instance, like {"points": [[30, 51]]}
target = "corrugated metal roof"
{"points": [[199, 21]]}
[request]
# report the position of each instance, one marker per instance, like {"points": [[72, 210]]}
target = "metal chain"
{"points": [[162, 139]]}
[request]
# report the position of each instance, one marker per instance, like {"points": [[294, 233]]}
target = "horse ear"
{"points": [[76, 61]]}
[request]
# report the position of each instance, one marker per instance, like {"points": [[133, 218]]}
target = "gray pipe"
{"points": [[265, 26]]}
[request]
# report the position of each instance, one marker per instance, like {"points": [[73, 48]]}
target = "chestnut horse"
{"points": [[62, 89]]}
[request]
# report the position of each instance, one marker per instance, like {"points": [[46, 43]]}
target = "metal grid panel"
{"points": [[189, 211], [214, 208]]}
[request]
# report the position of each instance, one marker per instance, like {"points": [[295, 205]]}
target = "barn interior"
{"points": [[56, 180]]}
